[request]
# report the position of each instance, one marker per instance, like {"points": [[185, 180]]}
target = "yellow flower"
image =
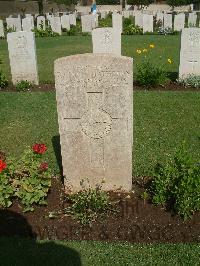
{"points": [[138, 51], [169, 61], [144, 50], [152, 46]]}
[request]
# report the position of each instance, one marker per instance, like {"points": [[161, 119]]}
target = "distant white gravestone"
{"points": [[14, 24], [139, 19], [41, 23], [190, 52], [147, 23], [106, 40], [168, 21], [27, 24], [2, 35], [22, 55], [94, 96], [179, 22], [72, 19], [87, 23], [192, 20], [65, 22], [117, 22], [56, 25]]}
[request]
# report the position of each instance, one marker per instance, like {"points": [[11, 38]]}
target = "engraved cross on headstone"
{"points": [[193, 63], [95, 124]]}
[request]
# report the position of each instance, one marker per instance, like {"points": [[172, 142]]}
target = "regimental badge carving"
{"points": [[96, 124]]}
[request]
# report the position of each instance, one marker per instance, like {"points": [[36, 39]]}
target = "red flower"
{"points": [[39, 148], [2, 166], [43, 166]]}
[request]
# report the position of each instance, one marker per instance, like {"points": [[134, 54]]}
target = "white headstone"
{"points": [[27, 24], [126, 14], [94, 94], [86, 23], [106, 40], [2, 35], [103, 14], [117, 22], [139, 19], [147, 23], [22, 55], [179, 22], [72, 19], [168, 21], [41, 23], [14, 23], [160, 17], [190, 52], [56, 25], [192, 19], [65, 22], [95, 21]]}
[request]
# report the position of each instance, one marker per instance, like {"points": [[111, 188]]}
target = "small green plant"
{"points": [[23, 85], [177, 184], [190, 81], [145, 195], [105, 22], [3, 80], [47, 32], [131, 30], [28, 179], [6, 189], [87, 205], [150, 74], [74, 30]]}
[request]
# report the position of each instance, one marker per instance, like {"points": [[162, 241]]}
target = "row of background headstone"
{"points": [[23, 61], [89, 22]]}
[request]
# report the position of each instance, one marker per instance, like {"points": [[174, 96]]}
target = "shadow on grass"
{"points": [[173, 76], [18, 245], [57, 151]]}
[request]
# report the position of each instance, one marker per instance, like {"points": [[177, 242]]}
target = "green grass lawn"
{"points": [[49, 49], [25, 252], [162, 121]]}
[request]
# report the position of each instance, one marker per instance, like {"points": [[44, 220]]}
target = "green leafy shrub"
{"points": [[45, 33], [28, 179], [87, 205], [6, 189], [105, 22], [149, 74], [23, 85], [3, 80], [74, 30], [127, 22], [190, 81], [177, 184], [131, 30]]}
